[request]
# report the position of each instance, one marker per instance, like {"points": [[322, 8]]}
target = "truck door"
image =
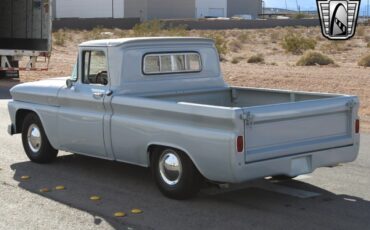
{"points": [[82, 110]]}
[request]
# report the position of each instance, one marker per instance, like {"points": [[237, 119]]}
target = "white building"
{"points": [[150, 9]]}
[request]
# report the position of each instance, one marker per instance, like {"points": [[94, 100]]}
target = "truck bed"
{"points": [[283, 123], [242, 97]]}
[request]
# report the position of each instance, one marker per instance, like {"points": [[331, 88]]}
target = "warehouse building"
{"points": [[155, 9]]}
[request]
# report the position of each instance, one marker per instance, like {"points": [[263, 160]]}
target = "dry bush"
{"points": [[98, 32], [118, 33], [258, 58], [235, 46], [311, 58], [148, 28], [299, 16], [297, 44], [60, 37], [236, 60], [243, 37], [220, 43], [365, 61], [158, 28], [368, 45]]}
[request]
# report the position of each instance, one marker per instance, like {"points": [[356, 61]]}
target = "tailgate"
{"points": [[288, 129]]}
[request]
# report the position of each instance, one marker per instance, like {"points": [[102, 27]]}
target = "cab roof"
{"points": [[122, 41]]}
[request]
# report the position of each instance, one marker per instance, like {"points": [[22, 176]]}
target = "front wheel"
{"points": [[175, 174], [35, 143]]}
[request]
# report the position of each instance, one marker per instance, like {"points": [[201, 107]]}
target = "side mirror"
{"points": [[69, 83]]}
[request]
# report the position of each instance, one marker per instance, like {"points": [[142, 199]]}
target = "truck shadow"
{"points": [[123, 187], [5, 85]]}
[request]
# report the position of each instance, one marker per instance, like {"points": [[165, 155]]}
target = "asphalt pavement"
{"points": [[329, 198]]}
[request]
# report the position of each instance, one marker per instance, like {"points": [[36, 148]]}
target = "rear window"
{"points": [[172, 63]]}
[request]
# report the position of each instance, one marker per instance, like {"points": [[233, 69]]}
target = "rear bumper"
{"points": [[288, 165], [11, 129]]}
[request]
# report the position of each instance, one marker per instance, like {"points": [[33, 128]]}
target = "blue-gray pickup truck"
{"points": [[163, 103]]}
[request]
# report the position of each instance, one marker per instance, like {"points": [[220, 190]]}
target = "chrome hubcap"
{"points": [[34, 138], [170, 167]]}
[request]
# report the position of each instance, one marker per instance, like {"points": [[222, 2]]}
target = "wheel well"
{"points": [[151, 151], [153, 148], [19, 118]]}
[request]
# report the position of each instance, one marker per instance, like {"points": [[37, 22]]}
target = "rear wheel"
{"points": [[175, 174], [10, 73], [35, 142]]}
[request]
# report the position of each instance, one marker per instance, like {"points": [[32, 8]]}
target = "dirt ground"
{"points": [[279, 69]]}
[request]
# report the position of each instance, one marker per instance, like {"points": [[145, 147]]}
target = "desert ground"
{"points": [[278, 68]]}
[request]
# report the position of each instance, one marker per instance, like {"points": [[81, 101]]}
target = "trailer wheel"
{"points": [[175, 174], [35, 143]]}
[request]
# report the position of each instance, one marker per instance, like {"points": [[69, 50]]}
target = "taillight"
{"points": [[357, 126], [240, 144]]}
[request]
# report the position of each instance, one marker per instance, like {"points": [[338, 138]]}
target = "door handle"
{"points": [[98, 95]]}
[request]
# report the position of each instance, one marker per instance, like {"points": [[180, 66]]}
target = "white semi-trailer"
{"points": [[25, 32]]}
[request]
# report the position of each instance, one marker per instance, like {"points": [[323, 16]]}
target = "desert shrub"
{"points": [[148, 28], [158, 28], [98, 32], [171, 30], [243, 37], [299, 16], [368, 45], [365, 61], [235, 46], [118, 33], [258, 58], [236, 60], [220, 43], [297, 44], [314, 58], [60, 37]]}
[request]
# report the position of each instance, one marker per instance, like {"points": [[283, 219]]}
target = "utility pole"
{"points": [[298, 8], [368, 5], [286, 5], [112, 9]]}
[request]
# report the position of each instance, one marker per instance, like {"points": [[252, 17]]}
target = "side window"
{"points": [[162, 63], [95, 70]]}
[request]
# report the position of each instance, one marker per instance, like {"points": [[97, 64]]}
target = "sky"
{"points": [[304, 4]]}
